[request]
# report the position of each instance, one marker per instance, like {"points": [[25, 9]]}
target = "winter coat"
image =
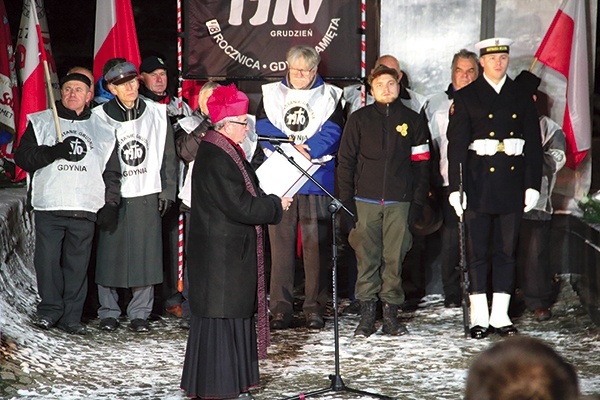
{"points": [[494, 184], [222, 248]]}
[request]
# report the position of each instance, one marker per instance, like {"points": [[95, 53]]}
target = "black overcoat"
{"points": [[222, 246], [494, 184]]}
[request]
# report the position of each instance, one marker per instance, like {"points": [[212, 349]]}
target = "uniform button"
{"points": [[492, 134], [512, 134], [514, 116], [492, 169], [490, 116]]}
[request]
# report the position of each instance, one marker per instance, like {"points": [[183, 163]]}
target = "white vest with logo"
{"points": [[300, 113], [141, 144], [72, 185]]}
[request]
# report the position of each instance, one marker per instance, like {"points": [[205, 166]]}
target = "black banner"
{"points": [[248, 39]]}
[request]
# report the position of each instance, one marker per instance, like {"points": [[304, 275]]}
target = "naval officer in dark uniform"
{"points": [[494, 133]]}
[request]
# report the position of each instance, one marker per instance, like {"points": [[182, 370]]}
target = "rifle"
{"points": [[464, 270]]}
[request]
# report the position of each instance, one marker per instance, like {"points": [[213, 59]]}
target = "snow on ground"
{"points": [[428, 363]]}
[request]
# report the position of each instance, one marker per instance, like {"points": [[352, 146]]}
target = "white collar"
{"points": [[497, 87]]}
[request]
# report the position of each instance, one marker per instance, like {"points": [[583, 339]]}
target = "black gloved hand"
{"points": [[108, 217], [348, 222], [60, 150], [163, 206], [415, 213]]}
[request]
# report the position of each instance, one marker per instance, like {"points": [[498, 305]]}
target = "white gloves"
{"points": [[513, 147], [454, 200], [485, 147], [531, 198], [489, 147]]}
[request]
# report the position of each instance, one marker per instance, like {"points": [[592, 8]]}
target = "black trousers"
{"points": [[492, 236], [534, 275], [62, 253]]}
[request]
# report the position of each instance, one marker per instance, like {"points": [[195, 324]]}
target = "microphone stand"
{"points": [[337, 384]]}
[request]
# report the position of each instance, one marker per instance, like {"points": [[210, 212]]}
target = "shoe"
{"points": [[139, 325], [352, 308], [109, 324], [243, 395], [280, 321], [184, 323], [479, 332], [43, 323], [410, 305], [75, 328], [314, 321], [504, 331], [542, 315], [175, 310], [452, 302], [366, 325], [391, 325]]}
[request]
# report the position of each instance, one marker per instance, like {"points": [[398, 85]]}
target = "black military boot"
{"points": [[366, 325], [391, 325]]}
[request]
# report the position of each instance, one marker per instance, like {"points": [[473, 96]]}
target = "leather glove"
{"points": [[163, 206], [415, 213], [348, 222], [454, 200], [531, 198], [108, 217], [60, 150]]}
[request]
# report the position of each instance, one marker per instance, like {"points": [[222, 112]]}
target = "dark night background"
{"points": [[71, 26]]}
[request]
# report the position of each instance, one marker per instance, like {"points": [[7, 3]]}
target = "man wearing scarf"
{"points": [[305, 109], [226, 261], [72, 177], [130, 241]]}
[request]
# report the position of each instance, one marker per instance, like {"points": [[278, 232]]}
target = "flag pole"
{"points": [[52, 103], [535, 59], [363, 50], [181, 220]]}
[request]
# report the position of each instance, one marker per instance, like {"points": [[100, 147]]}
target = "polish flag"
{"points": [[31, 55], [9, 91], [564, 49], [115, 34]]}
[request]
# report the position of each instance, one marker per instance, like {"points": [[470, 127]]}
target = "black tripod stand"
{"points": [[337, 384]]}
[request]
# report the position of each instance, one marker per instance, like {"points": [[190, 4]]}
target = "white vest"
{"points": [[141, 144], [72, 185], [437, 110], [300, 113]]}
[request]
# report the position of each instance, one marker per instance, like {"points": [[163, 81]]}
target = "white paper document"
{"points": [[278, 176]]}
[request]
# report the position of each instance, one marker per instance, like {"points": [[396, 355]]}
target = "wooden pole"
{"points": [[52, 102]]}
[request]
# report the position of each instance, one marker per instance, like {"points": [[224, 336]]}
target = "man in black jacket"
{"points": [[383, 176], [73, 176]]}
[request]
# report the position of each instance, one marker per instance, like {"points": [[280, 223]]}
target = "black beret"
{"points": [[75, 76]]}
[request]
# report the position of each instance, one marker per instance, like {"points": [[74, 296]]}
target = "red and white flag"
{"points": [[115, 34], [31, 54], [9, 89], [564, 49]]}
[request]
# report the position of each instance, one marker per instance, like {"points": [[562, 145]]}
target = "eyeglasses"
{"points": [[302, 71], [240, 123]]}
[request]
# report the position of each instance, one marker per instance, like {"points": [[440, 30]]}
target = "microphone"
{"points": [[275, 140]]}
